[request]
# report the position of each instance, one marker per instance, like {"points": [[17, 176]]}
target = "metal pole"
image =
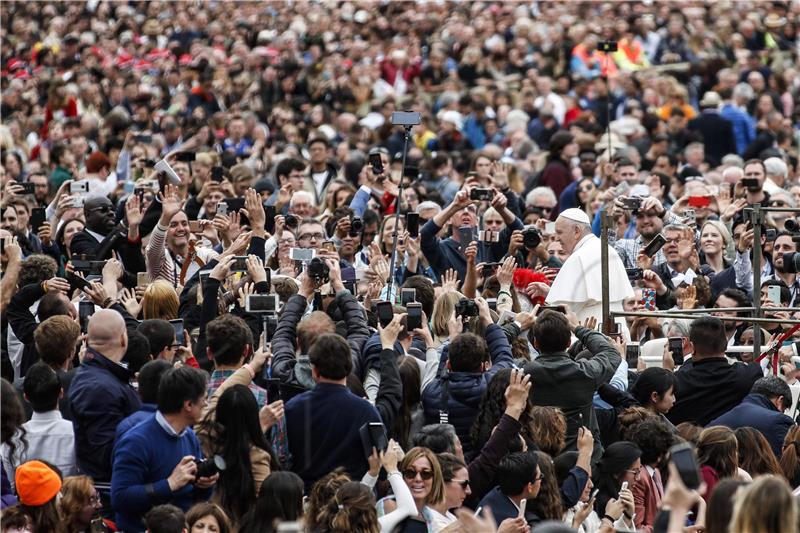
{"points": [[665, 314], [710, 310], [390, 281], [607, 320], [755, 216]]}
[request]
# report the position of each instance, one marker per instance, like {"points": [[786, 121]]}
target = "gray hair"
{"points": [[743, 90], [736, 172], [772, 386], [428, 204], [299, 194], [775, 166], [543, 192], [733, 160]]}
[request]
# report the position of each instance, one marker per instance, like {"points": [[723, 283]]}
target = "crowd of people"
{"points": [[239, 294]]}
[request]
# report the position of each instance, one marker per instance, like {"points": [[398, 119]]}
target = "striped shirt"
{"points": [[162, 265]]}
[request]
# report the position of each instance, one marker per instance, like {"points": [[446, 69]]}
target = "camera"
{"points": [[466, 308], [481, 193], [633, 203], [292, 221], [791, 263], [531, 238], [634, 274], [356, 226], [607, 46], [209, 467], [78, 187], [488, 236], [318, 271]]}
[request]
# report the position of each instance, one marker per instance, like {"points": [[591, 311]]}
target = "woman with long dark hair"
{"points": [[410, 418], [755, 454], [280, 499], [717, 455], [491, 409], [231, 429], [655, 391], [790, 458], [621, 464], [547, 503]]}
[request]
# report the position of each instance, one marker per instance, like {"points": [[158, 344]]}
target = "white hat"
{"points": [[454, 117], [576, 215]]}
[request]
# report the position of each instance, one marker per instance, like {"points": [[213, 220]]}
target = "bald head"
{"points": [[107, 334]]}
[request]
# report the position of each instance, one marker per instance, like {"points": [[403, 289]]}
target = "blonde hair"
{"points": [[442, 310], [76, 491], [160, 301], [437, 493], [766, 506], [723, 231]]}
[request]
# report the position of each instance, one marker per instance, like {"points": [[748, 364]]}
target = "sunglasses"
{"points": [[411, 473], [464, 483]]}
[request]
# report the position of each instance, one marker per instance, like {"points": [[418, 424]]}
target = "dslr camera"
{"points": [[356, 226], [318, 271], [292, 221], [466, 308], [210, 466], [531, 238]]}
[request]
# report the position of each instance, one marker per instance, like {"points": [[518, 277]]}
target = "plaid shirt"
{"points": [[278, 432], [628, 250]]}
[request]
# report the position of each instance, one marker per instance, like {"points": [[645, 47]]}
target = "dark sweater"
{"points": [[322, 426], [144, 458]]}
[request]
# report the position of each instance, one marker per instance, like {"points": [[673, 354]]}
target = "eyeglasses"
{"points": [[411, 473], [543, 208], [311, 236], [585, 189], [635, 471], [778, 203], [464, 483], [538, 478], [286, 241], [94, 500]]}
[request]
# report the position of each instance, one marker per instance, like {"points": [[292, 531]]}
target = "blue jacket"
{"points": [[756, 411], [444, 254], [501, 505], [465, 389], [101, 397], [322, 427], [146, 412], [144, 458]]}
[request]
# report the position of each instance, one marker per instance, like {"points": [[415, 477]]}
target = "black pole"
{"points": [[390, 281]]}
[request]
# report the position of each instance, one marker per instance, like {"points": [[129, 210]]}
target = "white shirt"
{"points": [[319, 182], [49, 437]]}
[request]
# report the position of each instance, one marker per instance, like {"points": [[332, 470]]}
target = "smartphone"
{"points": [[329, 246], [376, 163], [691, 216], [142, 279], [522, 505], [77, 202], [186, 157], [385, 313], [648, 299], [635, 274], [772, 234], [699, 201], [85, 310], [77, 281], [204, 279], [194, 227], [624, 486], [466, 236], [407, 296], [262, 303], [750, 183], [655, 245], [222, 208], [676, 347], [481, 194], [556, 308], [269, 221], [177, 325], [594, 494], [632, 352], [774, 294], [489, 269], [79, 187], [414, 318], [682, 456], [302, 254], [27, 188], [38, 218], [143, 138], [239, 264], [377, 434], [217, 174], [412, 225]]}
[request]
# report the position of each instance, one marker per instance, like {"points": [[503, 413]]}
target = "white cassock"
{"points": [[579, 283]]}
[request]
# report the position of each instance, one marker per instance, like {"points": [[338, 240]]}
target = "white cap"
{"points": [[576, 215]]}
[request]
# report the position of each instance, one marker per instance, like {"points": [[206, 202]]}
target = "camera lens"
{"points": [[791, 225], [791, 263], [356, 226], [531, 238], [292, 221]]}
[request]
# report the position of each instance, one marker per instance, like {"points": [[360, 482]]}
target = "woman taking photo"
{"points": [[232, 430], [621, 464], [423, 476], [352, 509], [279, 500]]}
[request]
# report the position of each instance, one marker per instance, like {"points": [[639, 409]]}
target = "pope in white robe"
{"points": [[579, 283]]}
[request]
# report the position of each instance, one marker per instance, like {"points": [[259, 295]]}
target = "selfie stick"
{"points": [[390, 281]]}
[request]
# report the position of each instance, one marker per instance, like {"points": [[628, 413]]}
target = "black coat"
{"points": [[717, 133], [130, 254], [710, 387]]}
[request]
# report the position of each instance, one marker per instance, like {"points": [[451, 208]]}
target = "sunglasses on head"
{"points": [[411, 473]]}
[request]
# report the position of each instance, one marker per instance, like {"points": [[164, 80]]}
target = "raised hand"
{"points": [[255, 210], [133, 211], [271, 414], [505, 274], [450, 280], [389, 334], [256, 268], [129, 301], [222, 268], [518, 391], [170, 204]]}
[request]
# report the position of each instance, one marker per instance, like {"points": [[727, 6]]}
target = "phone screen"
{"points": [[655, 245], [412, 225], [414, 318], [177, 325], [377, 434], [38, 218], [676, 347], [385, 313], [465, 235], [85, 310], [376, 163], [269, 221]]}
